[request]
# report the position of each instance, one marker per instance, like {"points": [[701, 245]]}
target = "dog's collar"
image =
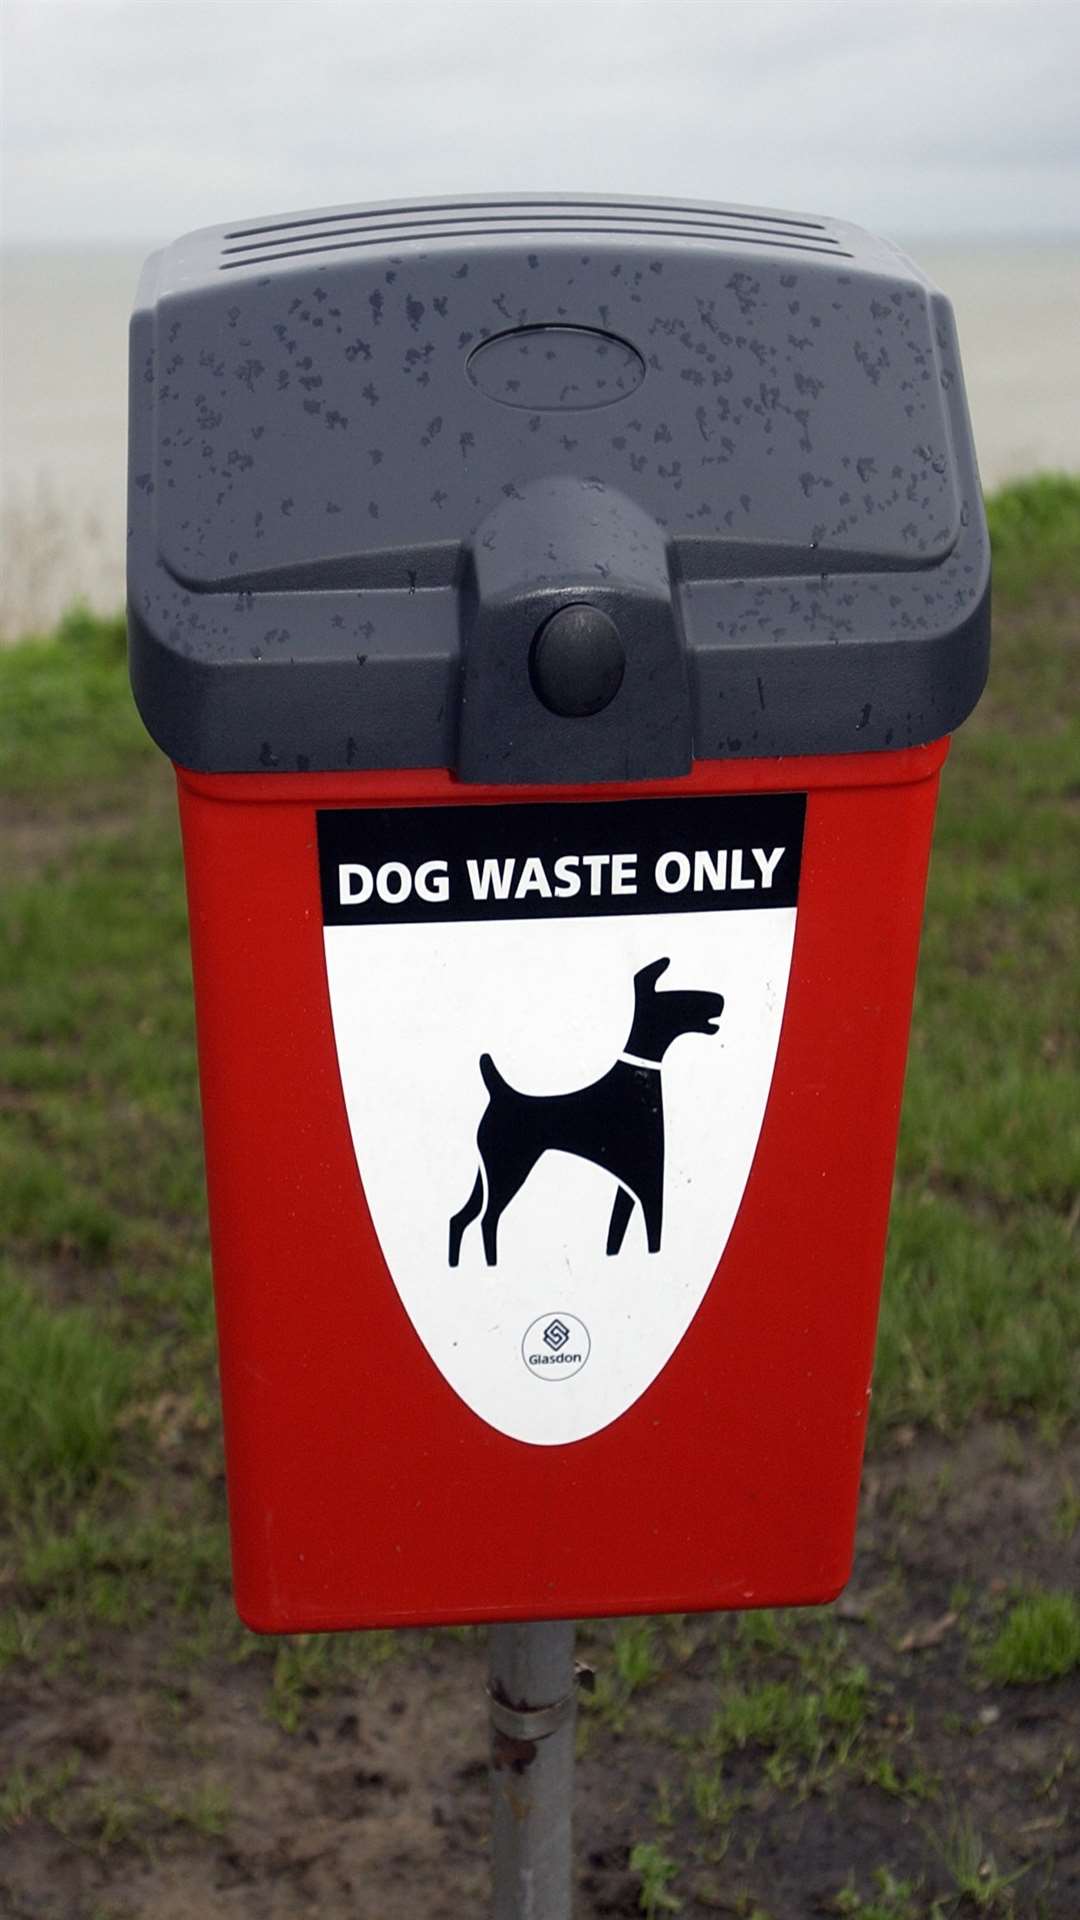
{"points": [[635, 1060]]}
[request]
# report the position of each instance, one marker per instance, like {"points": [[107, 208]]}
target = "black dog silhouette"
{"points": [[618, 1121]]}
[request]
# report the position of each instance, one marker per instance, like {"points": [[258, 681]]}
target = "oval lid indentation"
{"points": [[556, 369]]}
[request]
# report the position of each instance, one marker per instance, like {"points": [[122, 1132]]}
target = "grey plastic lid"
{"points": [[375, 450]]}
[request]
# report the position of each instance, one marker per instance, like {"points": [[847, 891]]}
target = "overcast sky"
{"points": [[133, 120]]}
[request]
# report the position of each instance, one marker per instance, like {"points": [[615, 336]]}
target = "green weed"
{"points": [[114, 1814], [207, 1809], [978, 1313], [632, 1664], [656, 1872], [764, 1632], [893, 1900], [665, 1803], [303, 1666], [807, 1725], [307, 1665], [633, 1654], [1067, 1517], [1035, 533], [67, 721], [63, 1383], [28, 1793], [776, 1716], [712, 1801], [881, 1770], [972, 1868], [1038, 1640], [105, 1571], [20, 1636]]}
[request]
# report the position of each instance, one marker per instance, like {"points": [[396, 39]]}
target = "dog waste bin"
{"points": [[556, 612]]}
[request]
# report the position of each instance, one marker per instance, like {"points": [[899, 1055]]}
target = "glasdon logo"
{"points": [[556, 1346]]}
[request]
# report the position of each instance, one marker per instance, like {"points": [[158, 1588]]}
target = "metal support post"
{"points": [[532, 1702]]}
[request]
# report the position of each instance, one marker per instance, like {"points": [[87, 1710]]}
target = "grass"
{"points": [[67, 721], [892, 1899], [629, 1665], [94, 1569], [306, 1664], [979, 1313], [655, 1872], [62, 1384], [797, 1710], [1038, 1640], [973, 1870], [28, 1791], [111, 1508], [1035, 534], [107, 1813]]}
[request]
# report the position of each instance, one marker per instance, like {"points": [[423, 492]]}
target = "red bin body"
{"points": [[361, 1488]]}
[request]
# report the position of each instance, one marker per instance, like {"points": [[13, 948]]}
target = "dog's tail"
{"points": [[492, 1078]]}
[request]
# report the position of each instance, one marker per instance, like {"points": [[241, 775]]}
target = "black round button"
{"points": [[577, 661]]}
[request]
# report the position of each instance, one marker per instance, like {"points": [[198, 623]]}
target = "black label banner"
{"points": [[556, 860]]}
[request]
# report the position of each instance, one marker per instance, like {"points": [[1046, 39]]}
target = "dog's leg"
{"points": [[620, 1217], [489, 1227], [459, 1221], [493, 1213], [652, 1206], [503, 1182]]}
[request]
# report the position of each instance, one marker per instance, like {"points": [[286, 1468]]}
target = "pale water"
{"points": [[64, 400]]}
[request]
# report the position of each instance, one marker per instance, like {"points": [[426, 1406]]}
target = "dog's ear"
{"points": [[649, 975]]}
